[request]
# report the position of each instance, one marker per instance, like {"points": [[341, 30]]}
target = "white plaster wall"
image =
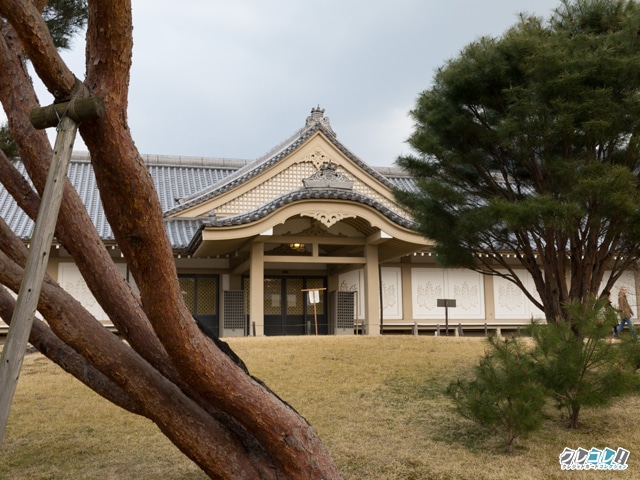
{"points": [[430, 284], [391, 293], [511, 303], [71, 280], [353, 281]]}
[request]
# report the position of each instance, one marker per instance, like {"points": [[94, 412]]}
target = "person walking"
{"points": [[625, 312], [610, 312]]}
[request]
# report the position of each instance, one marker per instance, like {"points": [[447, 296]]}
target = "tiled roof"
{"points": [[181, 231], [242, 175], [307, 194], [178, 177], [185, 181], [399, 178], [173, 177]]}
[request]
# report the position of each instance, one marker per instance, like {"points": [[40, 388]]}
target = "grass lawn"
{"points": [[379, 404]]}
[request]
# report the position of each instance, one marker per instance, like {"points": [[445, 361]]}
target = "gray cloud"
{"points": [[232, 78]]}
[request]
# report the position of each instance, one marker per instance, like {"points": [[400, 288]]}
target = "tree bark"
{"points": [[56, 350], [156, 398], [211, 408]]}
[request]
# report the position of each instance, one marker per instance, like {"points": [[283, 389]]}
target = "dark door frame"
{"points": [[304, 323]]}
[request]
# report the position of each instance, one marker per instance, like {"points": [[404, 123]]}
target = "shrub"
{"points": [[504, 396], [577, 361]]}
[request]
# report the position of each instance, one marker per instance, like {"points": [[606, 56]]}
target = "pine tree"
{"points": [[528, 148], [578, 363], [504, 396]]}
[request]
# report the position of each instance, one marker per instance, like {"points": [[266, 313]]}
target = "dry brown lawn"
{"points": [[379, 403]]}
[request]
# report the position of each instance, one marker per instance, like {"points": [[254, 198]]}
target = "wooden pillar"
{"points": [[372, 290], [407, 289], [489, 299], [256, 282]]}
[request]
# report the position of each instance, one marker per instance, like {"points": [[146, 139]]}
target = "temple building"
{"points": [[307, 239]]}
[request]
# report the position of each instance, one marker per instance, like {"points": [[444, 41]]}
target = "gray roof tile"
{"points": [[185, 181], [176, 178], [173, 180]]}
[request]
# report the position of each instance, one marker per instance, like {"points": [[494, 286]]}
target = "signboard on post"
{"points": [[314, 299], [446, 303], [314, 296]]}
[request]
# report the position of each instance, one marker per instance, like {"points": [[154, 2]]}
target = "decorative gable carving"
{"points": [[317, 157], [328, 219], [314, 170], [315, 230], [285, 181], [328, 177]]}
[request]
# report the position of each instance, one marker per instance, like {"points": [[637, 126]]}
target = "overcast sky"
{"points": [[233, 78]]}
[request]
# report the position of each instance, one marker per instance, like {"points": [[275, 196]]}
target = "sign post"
{"points": [[314, 298], [446, 303]]}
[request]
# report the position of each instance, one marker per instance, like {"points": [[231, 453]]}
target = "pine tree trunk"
{"points": [[573, 417], [231, 425]]}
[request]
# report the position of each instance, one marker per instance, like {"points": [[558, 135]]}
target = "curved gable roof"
{"points": [[184, 181], [307, 194], [315, 123]]}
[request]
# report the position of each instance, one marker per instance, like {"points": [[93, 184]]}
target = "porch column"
{"points": [[372, 290], [407, 289], [256, 283], [489, 299]]}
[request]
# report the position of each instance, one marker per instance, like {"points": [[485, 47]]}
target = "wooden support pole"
{"points": [[78, 109], [315, 317], [27, 302], [315, 313]]}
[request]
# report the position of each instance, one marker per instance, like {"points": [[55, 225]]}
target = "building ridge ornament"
{"points": [[317, 118], [328, 177]]}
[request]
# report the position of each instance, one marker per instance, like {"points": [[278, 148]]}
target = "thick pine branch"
{"points": [[25, 17], [75, 229], [157, 398], [46, 342], [132, 209]]}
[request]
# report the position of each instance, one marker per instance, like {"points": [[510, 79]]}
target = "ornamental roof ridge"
{"points": [[314, 123], [262, 163], [239, 177], [152, 160], [317, 118], [155, 160], [317, 121], [307, 194]]}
